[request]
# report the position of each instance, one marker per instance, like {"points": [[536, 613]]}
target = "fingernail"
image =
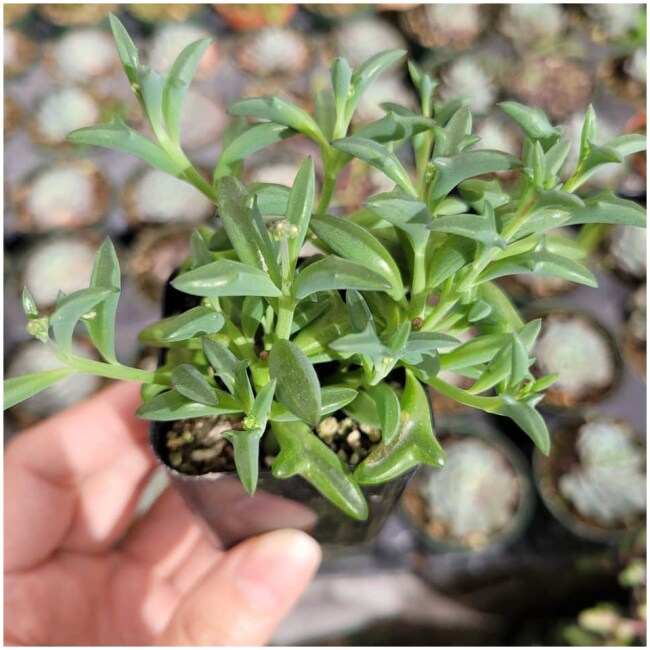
{"points": [[274, 566]]}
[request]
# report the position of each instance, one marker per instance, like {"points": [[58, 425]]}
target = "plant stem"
{"points": [[489, 404], [419, 285], [285, 317], [116, 371]]}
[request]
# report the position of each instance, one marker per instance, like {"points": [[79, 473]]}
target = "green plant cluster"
{"points": [[280, 341]]}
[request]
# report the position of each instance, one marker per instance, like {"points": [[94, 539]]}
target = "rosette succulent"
{"points": [[277, 340]]}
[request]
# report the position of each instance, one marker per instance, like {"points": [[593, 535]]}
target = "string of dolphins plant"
{"points": [[278, 341]]}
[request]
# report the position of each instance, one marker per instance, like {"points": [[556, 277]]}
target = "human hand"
{"points": [[80, 571]]}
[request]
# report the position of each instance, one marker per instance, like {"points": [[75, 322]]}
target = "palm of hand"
{"points": [[80, 571]]}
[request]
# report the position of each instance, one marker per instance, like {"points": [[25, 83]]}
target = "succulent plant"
{"points": [[274, 51], [358, 40], [71, 15], [278, 340], [63, 110], [616, 20], [609, 484], [66, 196], [255, 16], [581, 357], [475, 497], [19, 53], [467, 77], [454, 26], [170, 39], [154, 13], [63, 263], [627, 249], [529, 25], [154, 198], [82, 55]]}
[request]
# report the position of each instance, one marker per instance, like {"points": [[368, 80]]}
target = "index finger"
{"points": [[72, 481]]}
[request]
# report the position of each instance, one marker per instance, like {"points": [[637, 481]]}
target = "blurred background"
{"points": [[502, 546]]}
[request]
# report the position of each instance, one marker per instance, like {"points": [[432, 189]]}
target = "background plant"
{"points": [[417, 266]]}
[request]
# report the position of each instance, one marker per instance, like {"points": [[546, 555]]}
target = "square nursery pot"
{"points": [[229, 515]]}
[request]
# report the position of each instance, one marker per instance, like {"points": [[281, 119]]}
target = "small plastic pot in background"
{"points": [[482, 498], [594, 478], [624, 252], [20, 52]]}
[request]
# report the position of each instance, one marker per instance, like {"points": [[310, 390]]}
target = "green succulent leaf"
{"points": [[453, 170], [261, 409], [357, 244], [608, 208], [304, 454], [333, 398], [300, 205], [252, 314], [358, 310], [106, 275], [195, 321], [625, 145], [388, 409], [403, 211], [29, 304], [257, 137], [171, 405], [230, 369], [414, 442], [246, 229], [336, 273], [341, 78], [177, 83], [452, 255], [117, 135], [530, 421], [368, 72], [226, 278], [246, 444], [298, 388], [199, 250], [190, 382], [482, 227], [70, 309], [541, 262], [476, 351], [533, 121], [281, 111], [18, 389], [478, 192], [126, 50], [365, 343], [271, 199], [394, 128], [377, 156], [502, 309]]}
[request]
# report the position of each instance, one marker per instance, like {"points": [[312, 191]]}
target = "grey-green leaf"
{"points": [[300, 205], [171, 405], [452, 171], [336, 273], [18, 389], [178, 81], [105, 274], [70, 309], [355, 243], [389, 410], [195, 321], [609, 208], [378, 156], [533, 121], [297, 383], [246, 445], [226, 278], [190, 383], [246, 229], [117, 135]]}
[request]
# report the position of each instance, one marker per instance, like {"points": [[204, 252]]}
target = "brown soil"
{"points": [[196, 446]]}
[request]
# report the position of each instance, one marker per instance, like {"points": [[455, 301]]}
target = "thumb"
{"points": [[249, 593]]}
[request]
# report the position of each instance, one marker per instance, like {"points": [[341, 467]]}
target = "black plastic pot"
{"points": [[229, 515]]}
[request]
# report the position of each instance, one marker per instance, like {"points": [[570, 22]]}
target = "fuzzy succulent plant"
{"points": [[278, 341], [609, 486]]}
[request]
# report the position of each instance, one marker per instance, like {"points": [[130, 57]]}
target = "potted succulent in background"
{"points": [[594, 479], [483, 499], [290, 389]]}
